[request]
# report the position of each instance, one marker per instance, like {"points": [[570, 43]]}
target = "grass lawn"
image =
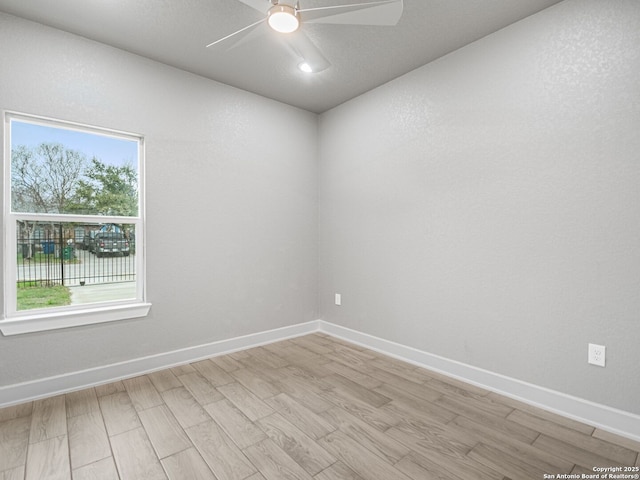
{"points": [[40, 257], [35, 295]]}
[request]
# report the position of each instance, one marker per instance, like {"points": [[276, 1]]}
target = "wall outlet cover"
{"points": [[596, 354]]}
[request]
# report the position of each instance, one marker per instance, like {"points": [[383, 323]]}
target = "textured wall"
{"points": [[485, 207], [232, 222]]}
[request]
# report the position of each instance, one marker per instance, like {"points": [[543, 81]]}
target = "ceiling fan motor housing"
{"points": [[283, 18]]}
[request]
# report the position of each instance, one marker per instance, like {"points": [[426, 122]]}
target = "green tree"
{"points": [[107, 190]]}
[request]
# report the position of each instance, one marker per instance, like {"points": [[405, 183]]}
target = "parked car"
{"points": [[110, 243], [88, 241]]}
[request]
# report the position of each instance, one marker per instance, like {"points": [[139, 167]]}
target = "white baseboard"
{"points": [[606, 418], [601, 416], [68, 382]]}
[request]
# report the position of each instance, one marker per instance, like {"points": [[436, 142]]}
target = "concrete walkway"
{"points": [[105, 292]]}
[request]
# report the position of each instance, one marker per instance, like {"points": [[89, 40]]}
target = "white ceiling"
{"points": [[175, 32]]}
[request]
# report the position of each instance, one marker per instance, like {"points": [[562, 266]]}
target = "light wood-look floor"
{"points": [[307, 408]]}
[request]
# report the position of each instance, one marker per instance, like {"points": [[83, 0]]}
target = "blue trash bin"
{"points": [[48, 247]]}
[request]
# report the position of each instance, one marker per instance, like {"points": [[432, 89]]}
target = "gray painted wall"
{"points": [[485, 207], [232, 216]]}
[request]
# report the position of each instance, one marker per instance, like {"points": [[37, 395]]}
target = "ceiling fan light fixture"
{"points": [[283, 18]]}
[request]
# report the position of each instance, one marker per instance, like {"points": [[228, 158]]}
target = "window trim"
{"points": [[13, 321]]}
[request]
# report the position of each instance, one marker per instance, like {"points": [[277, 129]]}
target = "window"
{"points": [[73, 223]]}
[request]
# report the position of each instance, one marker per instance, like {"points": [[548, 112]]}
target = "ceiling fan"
{"points": [[287, 18]]}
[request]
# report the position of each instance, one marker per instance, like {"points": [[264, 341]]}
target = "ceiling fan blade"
{"points": [[382, 12], [261, 5], [251, 35], [306, 49], [246, 30]]}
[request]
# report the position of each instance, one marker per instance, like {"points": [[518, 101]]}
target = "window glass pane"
{"points": [[69, 171], [61, 264]]}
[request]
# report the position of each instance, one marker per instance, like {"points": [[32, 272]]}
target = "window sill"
{"points": [[28, 323]]}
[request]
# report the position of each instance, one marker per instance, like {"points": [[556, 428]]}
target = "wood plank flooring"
{"points": [[313, 407]]}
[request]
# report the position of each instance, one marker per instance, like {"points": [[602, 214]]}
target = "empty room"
{"points": [[323, 239]]}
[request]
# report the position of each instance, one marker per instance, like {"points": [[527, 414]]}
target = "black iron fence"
{"points": [[74, 255]]}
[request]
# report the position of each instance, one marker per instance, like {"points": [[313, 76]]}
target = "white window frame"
{"points": [[15, 321]]}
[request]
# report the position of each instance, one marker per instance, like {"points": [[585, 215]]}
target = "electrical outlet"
{"points": [[596, 354], [338, 299]]}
